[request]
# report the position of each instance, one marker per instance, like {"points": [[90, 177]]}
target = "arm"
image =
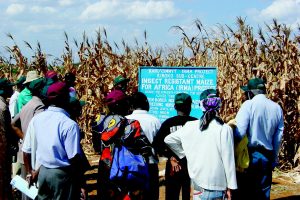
{"points": [[277, 138], [29, 160], [15, 125], [227, 154], [173, 141], [242, 120]]}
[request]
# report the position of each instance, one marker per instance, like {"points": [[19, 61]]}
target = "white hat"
{"points": [[31, 76]]}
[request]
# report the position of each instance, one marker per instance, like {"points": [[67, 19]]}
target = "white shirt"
{"points": [[13, 107], [29, 145], [149, 124], [209, 154]]}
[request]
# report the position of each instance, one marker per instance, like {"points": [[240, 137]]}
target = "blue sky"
{"points": [[46, 20]]}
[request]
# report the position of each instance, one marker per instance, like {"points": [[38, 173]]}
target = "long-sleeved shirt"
{"points": [[263, 120], [209, 154]]}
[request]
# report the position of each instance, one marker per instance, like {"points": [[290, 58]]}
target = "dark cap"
{"points": [[253, 84], [182, 98], [115, 96], [120, 79], [21, 80], [36, 84], [208, 93], [4, 85], [57, 90], [74, 101]]}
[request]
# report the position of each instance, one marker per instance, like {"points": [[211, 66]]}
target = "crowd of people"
{"points": [[40, 141]]}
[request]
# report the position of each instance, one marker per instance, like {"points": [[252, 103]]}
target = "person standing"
{"points": [[25, 95], [5, 140], [58, 148], [21, 121], [70, 81], [150, 125], [114, 130], [209, 148], [13, 106], [121, 83], [262, 119], [176, 174]]}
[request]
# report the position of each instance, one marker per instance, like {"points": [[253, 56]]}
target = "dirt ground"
{"points": [[285, 186]]}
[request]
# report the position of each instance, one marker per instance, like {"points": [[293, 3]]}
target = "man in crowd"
{"points": [[13, 106], [150, 125], [21, 120], [58, 151], [121, 83], [262, 119], [5, 140], [176, 173], [25, 95]]}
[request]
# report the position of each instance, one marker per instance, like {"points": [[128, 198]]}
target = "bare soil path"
{"points": [[286, 185]]}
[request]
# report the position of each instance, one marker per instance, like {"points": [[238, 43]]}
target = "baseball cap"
{"points": [[57, 90], [75, 101], [120, 79], [20, 80], [253, 84], [51, 74], [115, 96], [4, 85], [36, 84], [182, 98], [208, 93], [31, 76]]}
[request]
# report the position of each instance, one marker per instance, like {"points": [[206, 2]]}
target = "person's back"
{"points": [[208, 146], [176, 173], [5, 140], [150, 125], [262, 119], [58, 148]]}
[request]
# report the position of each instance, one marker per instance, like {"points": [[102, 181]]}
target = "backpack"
{"points": [[129, 168], [124, 151]]}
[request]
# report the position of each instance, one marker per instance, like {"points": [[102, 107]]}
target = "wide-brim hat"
{"points": [[120, 79], [254, 84], [31, 76]]}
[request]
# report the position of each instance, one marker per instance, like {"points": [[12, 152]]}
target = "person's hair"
{"points": [[120, 107], [139, 100], [207, 117], [184, 107]]}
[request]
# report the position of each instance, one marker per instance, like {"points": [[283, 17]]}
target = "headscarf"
{"points": [[210, 104]]}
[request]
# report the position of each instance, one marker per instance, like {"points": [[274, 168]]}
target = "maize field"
{"points": [[238, 52]]}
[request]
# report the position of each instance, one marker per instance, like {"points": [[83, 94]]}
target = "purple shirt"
{"points": [[57, 136]]}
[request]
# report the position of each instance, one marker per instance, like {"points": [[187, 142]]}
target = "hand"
{"points": [[32, 177], [228, 194], [83, 194], [175, 165]]}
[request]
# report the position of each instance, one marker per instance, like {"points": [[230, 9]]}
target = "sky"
{"points": [[45, 21]]}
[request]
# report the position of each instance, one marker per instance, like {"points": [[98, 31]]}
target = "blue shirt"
{"points": [[263, 120], [57, 136]]}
